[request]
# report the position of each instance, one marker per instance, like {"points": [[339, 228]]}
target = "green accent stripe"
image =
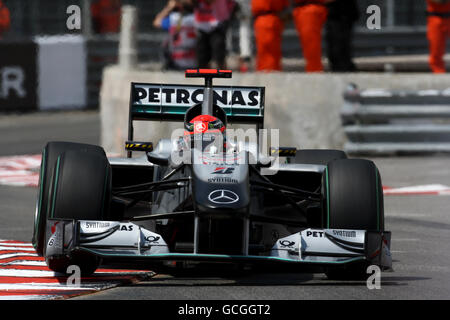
{"points": [[378, 201], [217, 256], [328, 196], [55, 187], [41, 188], [104, 192]]}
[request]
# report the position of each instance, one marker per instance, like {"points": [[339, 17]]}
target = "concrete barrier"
{"points": [[305, 107]]}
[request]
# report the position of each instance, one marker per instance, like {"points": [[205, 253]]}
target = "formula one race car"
{"points": [[203, 197]]}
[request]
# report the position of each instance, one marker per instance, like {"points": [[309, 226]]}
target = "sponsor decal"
{"points": [[286, 243], [124, 227], [315, 234], [173, 95], [96, 225], [223, 197], [222, 180], [200, 127], [152, 239], [344, 233], [223, 170]]}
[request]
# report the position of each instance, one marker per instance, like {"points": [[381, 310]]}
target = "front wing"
{"points": [[121, 241]]}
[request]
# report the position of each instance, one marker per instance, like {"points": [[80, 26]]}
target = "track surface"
{"points": [[420, 226]]}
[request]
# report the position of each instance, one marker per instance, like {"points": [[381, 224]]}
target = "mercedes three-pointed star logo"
{"points": [[223, 197]]}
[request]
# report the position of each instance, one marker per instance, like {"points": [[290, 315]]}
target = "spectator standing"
{"points": [[342, 15], [180, 49], [268, 27], [212, 18], [310, 17], [438, 30], [4, 18], [106, 16]]}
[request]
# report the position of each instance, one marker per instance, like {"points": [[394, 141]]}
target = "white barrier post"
{"points": [[87, 25], [128, 35]]}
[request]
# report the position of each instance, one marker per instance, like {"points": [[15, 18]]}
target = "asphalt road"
{"points": [[420, 228]]}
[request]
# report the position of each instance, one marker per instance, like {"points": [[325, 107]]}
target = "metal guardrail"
{"points": [[379, 122]]}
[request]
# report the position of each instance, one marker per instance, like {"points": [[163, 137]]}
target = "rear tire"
{"points": [[318, 156], [50, 154], [353, 199]]}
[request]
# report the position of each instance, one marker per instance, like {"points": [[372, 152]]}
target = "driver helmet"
{"points": [[204, 126]]}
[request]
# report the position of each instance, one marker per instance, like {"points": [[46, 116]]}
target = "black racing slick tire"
{"points": [[50, 154], [318, 156], [353, 199], [80, 189]]}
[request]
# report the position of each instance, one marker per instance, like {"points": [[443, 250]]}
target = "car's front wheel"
{"points": [[353, 199], [50, 155], [80, 189]]}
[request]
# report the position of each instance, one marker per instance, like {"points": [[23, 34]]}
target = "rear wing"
{"points": [[161, 102], [169, 102]]}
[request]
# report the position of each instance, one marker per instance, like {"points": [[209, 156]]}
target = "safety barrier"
{"points": [[385, 121]]}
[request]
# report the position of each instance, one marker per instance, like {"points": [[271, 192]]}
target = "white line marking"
{"points": [[14, 244], [16, 248], [20, 244], [33, 286], [24, 263], [31, 297], [22, 254], [437, 189], [25, 273]]}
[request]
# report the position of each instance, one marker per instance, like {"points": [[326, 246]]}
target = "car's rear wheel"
{"points": [[50, 154], [353, 199]]}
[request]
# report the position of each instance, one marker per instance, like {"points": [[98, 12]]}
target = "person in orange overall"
{"points": [[4, 18], [309, 18], [268, 26], [438, 30], [106, 16]]}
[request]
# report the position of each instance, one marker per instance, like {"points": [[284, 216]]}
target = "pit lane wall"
{"points": [[305, 107]]}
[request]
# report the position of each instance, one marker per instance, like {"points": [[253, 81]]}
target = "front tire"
{"points": [[353, 199], [50, 154], [80, 189]]}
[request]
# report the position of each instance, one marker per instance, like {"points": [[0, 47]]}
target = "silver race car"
{"points": [[203, 198]]}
